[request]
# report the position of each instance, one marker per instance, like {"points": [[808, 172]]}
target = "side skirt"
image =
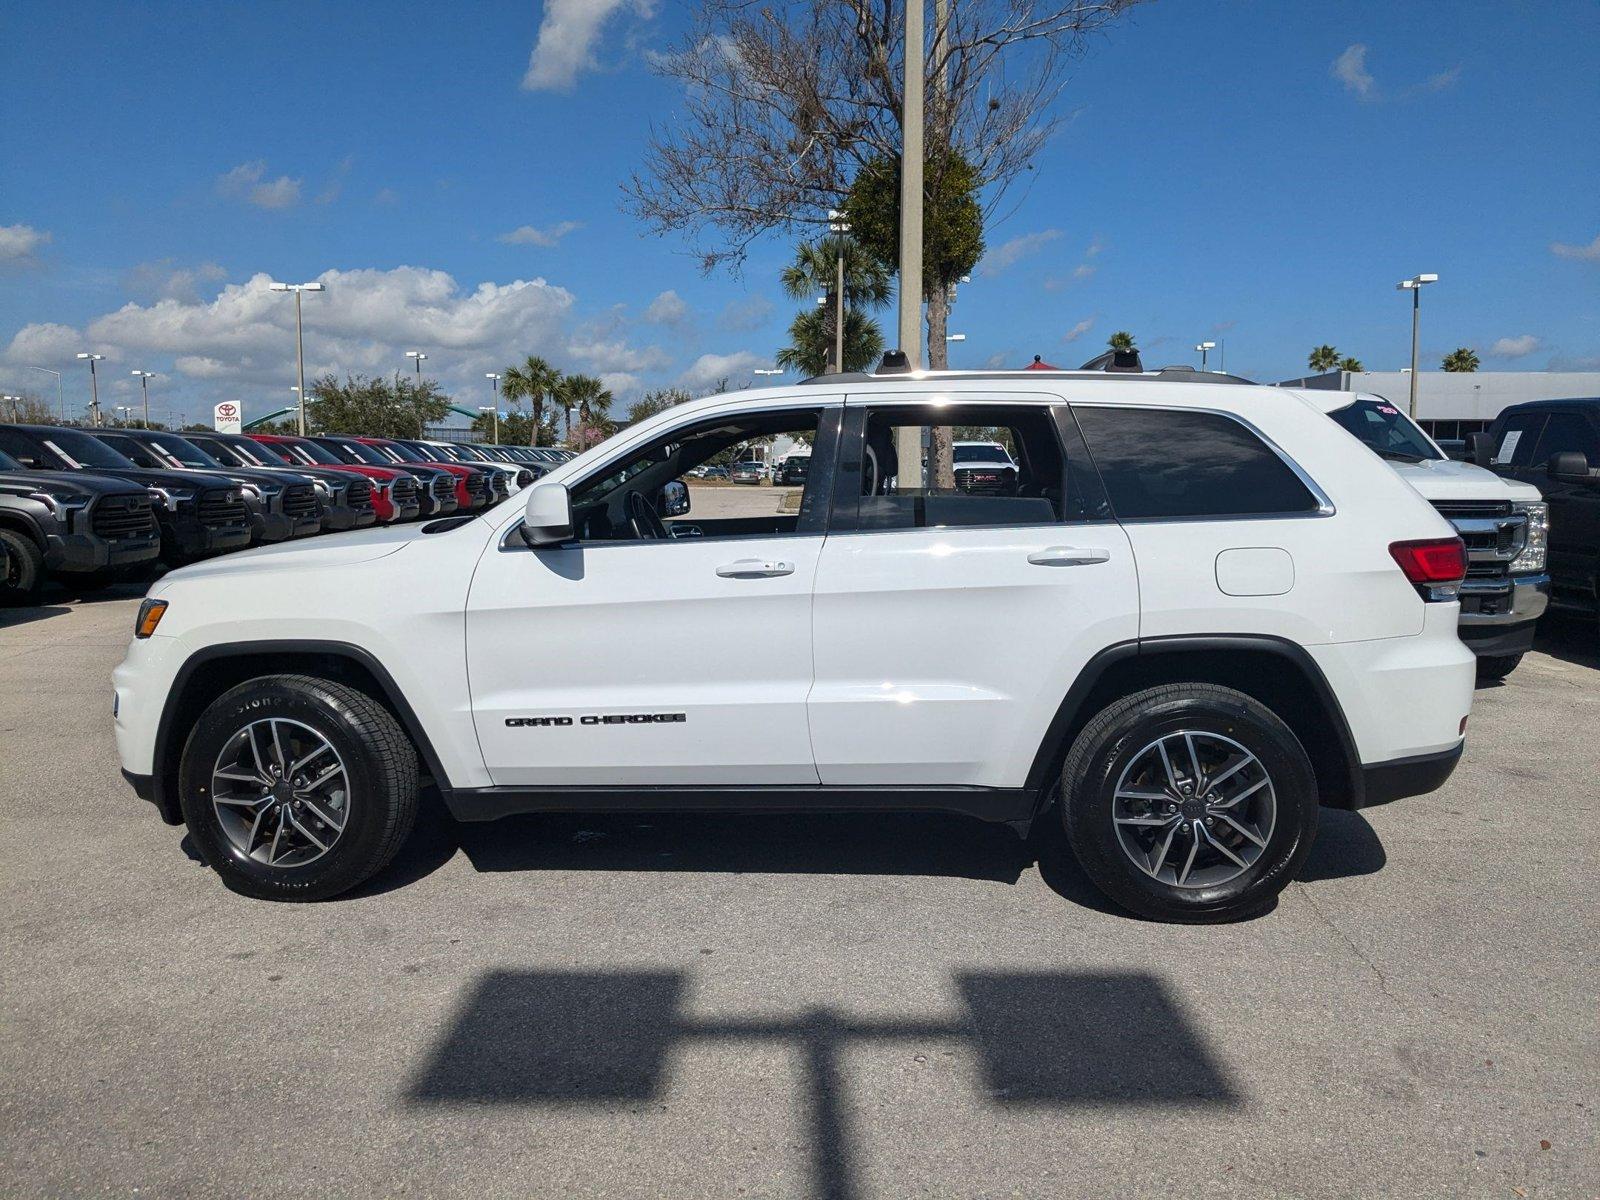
{"points": [[986, 804]]}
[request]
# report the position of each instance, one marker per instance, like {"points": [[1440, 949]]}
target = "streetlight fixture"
{"points": [[767, 371], [417, 356], [1205, 348], [838, 226], [299, 342], [144, 385], [16, 405], [955, 337], [94, 387], [1414, 286]]}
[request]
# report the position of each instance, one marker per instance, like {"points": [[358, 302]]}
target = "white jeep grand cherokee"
{"points": [[1199, 613]]}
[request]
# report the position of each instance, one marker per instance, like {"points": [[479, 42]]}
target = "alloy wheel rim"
{"points": [[281, 793], [1194, 809]]}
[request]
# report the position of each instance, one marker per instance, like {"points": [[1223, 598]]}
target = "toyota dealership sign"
{"points": [[228, 417]]}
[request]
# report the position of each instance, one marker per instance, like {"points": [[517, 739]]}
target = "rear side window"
{"points": [[1518, 436], [1170, 464], [1567, 432]]}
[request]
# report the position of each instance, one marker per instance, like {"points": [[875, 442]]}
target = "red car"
{"points": [[394, 491], [472, 488]]}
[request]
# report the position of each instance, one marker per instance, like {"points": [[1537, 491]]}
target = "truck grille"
{"points": [[122, 518], [359, 495], [404, 492], [474, 484], [300, 501], [444, 488], [1492, 532], [222, 508]]}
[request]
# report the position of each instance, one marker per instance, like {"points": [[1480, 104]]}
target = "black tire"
{"points": [[1115, 737], [378, 756], [1497, 666], [24, 570]]}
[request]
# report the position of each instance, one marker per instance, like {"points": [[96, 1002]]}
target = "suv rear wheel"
{"points": [[297, 788], [1189, 802]]}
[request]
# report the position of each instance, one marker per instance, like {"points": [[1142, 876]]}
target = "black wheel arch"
{"points": [[19, 521], [213, 670], [1273, 670]]}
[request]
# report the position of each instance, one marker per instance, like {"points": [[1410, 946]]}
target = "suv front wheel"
{"points": [[1189, 802], [297, 788]]}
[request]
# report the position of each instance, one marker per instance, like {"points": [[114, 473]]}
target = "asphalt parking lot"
{"points": [[783, 1006]]}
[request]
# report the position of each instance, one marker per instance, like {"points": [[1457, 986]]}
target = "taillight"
{"points": [[1435, 565]]}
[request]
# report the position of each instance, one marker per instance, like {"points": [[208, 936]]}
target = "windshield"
{"points": [[81, 450], [307, 452], [1386, 430], [357, 452], [400, 452], [7, 463], [256, 454], [980, 454], [182, 452], [468, 453]]}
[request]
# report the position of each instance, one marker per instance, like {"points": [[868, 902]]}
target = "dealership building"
{"points": [[1452, 404]]}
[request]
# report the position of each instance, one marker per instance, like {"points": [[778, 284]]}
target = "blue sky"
{"points": [[1257, 173]]}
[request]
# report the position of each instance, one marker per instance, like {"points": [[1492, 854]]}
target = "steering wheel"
{"points": [[642, 518]]}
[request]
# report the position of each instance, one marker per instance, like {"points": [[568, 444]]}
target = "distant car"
{"points": [[714, 473], [984, 468], [792, 471], [747, 472]]}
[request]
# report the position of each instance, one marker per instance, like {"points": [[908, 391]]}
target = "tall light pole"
{"points": [[1414, 286], [1205, 348], [494, 389], [144, 385], [495, 409], [908, 438], [299, 344], [60, 403], [16, 406], [838, 226], [94, 387], [417, 356]]}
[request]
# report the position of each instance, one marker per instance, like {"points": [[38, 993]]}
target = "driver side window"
{"points": [[760, 474]]}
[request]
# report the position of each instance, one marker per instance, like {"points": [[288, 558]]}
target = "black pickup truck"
{"points": [[199, 515], [83, 529]]}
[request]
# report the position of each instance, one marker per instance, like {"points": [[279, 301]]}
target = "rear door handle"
{"points": [[1068, 556], [754, 568]]}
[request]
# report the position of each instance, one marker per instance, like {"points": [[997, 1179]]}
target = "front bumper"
{"points": [[1402, 777], [73, 552], [184, 536], [272, 527], [1498, 615]]}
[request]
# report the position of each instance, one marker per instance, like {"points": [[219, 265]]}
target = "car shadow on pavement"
{"points": [[10, 618], [1571, 637], [1346, 846], [1042, 1040]]}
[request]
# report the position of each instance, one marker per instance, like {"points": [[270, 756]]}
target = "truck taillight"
{"points": [[1435, 565]]}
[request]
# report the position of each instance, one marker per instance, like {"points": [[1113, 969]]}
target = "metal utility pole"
{"points": [[1204, 348], [494, 390], [299, 343], [144, 386], [60, 402], [908, 438], [417, 356], [1414, 286], [94, 388]]}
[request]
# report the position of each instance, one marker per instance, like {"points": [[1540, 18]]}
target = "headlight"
{"points": [[1533, 553], [61, 503], [171, 497], [150, 614]]}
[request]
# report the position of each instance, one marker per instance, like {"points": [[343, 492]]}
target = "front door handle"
{"points": [[754, 568], [1068, 556]]}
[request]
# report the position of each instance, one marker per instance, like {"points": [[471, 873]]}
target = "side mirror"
{"points": [[1569, 465], [674, 498], [1480, 449], [547, 518]]}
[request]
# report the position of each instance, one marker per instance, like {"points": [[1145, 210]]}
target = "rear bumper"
{"points": [[1402, 777]]}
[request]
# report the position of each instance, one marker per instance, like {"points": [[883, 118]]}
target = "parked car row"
{"points": [[93, 506]]}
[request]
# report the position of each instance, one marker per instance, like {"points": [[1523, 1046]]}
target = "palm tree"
{"points": [[1350, 364], [810, 348], [1121, 341], [537, 380], [1461, 359], [592, 399], [1323, 358], [867, 283]]}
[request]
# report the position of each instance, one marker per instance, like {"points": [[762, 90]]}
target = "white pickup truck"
{"points": [[1504, 523]]}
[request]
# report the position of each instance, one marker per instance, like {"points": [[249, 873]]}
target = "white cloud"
{"points": [[667, 309], [245, 182], [741, 316], [550, 235], [19, 242], [1589, 253], [1350, 69], [164, 280], [1083, 271], [1008, 254], [1078, 330], [566, 41], [710, 369], [335, 185], [1515, 347]]}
